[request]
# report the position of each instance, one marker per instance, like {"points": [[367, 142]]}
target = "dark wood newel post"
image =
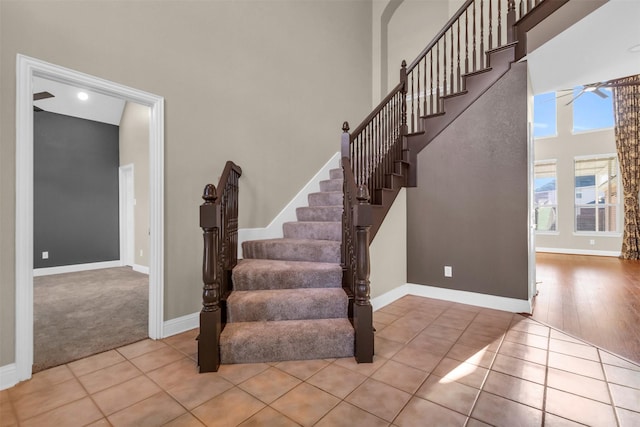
{"points": [[511, 20], [362, 310], [210, 316]]}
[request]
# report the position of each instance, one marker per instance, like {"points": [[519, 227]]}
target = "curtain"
{"points": [[626, 103]]}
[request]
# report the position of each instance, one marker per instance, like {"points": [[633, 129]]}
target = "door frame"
{"points": [[126, 181], [26, 69]]}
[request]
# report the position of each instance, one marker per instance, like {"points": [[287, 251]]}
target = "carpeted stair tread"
{"points": [[260, 274], [331, 185], [317, 230], [287, 304], [273, 341], [325, 198], [336, 173], [293, 250], [319, 213]]}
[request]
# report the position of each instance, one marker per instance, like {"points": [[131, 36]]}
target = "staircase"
{"points": [[288, 302], [306, 295]]}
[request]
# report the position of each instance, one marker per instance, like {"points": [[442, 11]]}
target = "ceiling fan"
{"points": [[39, 96], [602, 89]]}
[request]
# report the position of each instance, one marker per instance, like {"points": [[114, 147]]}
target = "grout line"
{"points": [[606, 380], [546, 379]]}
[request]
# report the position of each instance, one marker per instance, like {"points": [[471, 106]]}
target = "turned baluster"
{"points": [[511, 20]]}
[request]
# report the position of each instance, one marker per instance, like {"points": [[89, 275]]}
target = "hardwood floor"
{"points": [[593, 298]]}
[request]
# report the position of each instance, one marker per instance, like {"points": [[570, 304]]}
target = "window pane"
{"points": [[544, 115], [545, 193], [596, 194], [592, 109]]}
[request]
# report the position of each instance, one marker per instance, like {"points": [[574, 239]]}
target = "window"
{"points": [[596, 195], [592, 109], [544, 115], [545, 193]]}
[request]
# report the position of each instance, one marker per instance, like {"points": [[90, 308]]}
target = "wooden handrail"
{"points": [[219, 223]]}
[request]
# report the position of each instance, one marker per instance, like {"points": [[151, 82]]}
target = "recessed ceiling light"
{"points": [[635, 49], [83, 96]]}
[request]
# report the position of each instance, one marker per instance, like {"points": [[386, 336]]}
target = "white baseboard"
{"points": [[75, 268], [288, 214], [181, 324], [8, 376], [140, 269], [579, 252], [463, 297]]}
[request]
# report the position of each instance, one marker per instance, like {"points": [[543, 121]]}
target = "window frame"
{"points": [[617, 205]]}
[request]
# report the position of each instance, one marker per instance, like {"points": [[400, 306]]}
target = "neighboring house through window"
{"points": [[596, 195], [546, 193]]}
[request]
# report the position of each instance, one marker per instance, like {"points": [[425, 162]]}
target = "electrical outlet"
{"points": [[140, 252], [592, 242], [448, 271], [45, 255]]}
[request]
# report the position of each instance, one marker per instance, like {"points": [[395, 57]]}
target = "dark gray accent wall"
{"points": [[75, 191], [469, 210]]}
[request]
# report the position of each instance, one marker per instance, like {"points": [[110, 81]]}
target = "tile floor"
{"points": [[437, 364]]}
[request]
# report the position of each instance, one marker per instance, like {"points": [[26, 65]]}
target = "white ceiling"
{"points": [[595, 49], [98, 107]]}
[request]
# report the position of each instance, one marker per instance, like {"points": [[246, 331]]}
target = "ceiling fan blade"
{"points": [[575, 97], [42, 95], [600, 93]]}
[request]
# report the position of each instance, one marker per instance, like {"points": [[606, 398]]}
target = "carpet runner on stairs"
{"points": [[288, 302]]}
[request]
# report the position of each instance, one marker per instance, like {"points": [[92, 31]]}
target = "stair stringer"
{"points": [[476, 84]]}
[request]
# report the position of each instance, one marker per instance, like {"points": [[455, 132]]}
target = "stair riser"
{"points": [[319, 213], [333, 198], [250, 278], [331, 185], [253, 306], [270, 343], [313, 230], [318, 251], [336, 174]]}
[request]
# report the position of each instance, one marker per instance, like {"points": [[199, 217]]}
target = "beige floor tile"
{"points": [[521, 351], [417, 358], [625, 397], [612, 359], [471, 339], [473, 355], [418, 411], [346, 415], [362, 368], [269, 417], [442, 332], [580, 409], [462, 372], [386, 348], [41, 381], [525, 338], [578, 384], [450, 394], [95, 362], [153, 411], [175, 373], [185, 342], [514, 388], [305, 404], [564, 337], [574, 349], [453, 321], [397, 333], [384, 318], [157, 358], [184, 420], [530, 326], [500, 412], [302, 369], [110, 376], [241, 372], [519, 368], [378, 398], [102, 422], [551, 420], [628, 418], [41, 401], [238, 406], [141, 347], [196, 391], [472, 422], [400, 376], [270, 384], [623, 376], [125, 394], [576, 365], [337, 380], [78, 413]]}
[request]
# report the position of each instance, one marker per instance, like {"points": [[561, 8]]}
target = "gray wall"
{"points": [[256, 82], [75, 190], [469, 210]]}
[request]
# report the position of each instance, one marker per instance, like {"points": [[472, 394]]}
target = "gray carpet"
{"points": [[79, 314]]}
